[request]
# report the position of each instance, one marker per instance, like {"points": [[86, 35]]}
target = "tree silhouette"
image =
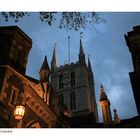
{"points": [[68, 20]]}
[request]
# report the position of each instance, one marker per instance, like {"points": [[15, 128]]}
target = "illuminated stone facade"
{"points": [[41, 104]]}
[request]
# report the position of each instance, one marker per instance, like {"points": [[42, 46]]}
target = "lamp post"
{"points": [[19, 112]]}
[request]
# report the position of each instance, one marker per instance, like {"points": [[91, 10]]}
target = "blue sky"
{"points": [[110, 58]]}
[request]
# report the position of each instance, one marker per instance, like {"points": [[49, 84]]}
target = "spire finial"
{"points": [[116, 117], [103, 95], [54, 52], [89, 64], [45, 65], [102, 88], [54, 58], [81, 53]]}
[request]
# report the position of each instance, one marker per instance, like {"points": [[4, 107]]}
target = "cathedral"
{"points": [[63, 97]]}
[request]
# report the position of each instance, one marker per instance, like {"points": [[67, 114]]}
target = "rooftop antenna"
{"points": [[65, 62], [69, 49]]}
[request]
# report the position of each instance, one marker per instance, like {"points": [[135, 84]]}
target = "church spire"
{"points": [[54, 60], [44, 71], [103, 95], [81, 48], [90, 71], [105, 106], [81, 54]]}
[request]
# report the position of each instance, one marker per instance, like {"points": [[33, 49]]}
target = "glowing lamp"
{"points": [[19, 112]]}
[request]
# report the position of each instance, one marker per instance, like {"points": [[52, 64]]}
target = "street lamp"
{"points": [[19, 112]]}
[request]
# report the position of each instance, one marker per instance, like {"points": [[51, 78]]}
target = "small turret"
{"points": [[81, 54], [90, 71], [44, 71], [54, 61], [105, 106], [116, 117], [103, 96], [89, 65]]}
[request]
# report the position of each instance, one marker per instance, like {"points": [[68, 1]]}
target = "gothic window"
{"points": [[72, 79], [13, 97], [61, 84], [72, 100]]}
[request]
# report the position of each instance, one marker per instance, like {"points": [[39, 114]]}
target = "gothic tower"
{"points": [[133, 43], [14, 48], [74, 84], [105, 107]]}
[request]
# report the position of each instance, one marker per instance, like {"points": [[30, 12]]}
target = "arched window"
{"points": [[72, 100], [61, 81], [72, 79]]}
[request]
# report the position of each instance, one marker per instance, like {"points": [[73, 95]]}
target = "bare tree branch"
{"points": [[68, 20]]}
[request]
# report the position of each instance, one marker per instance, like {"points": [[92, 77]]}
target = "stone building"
{"points": [[133, 42], [64, 96], [74, 84], [68, 100], [37, 96]]}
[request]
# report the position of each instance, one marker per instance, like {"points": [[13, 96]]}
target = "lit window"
{"points": [[72, 79], [72, 100], [61, 82]]}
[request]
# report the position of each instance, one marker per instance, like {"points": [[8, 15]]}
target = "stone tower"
{"points": [[14, 48], [74, 84], [133, 43], [105, 107]]}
